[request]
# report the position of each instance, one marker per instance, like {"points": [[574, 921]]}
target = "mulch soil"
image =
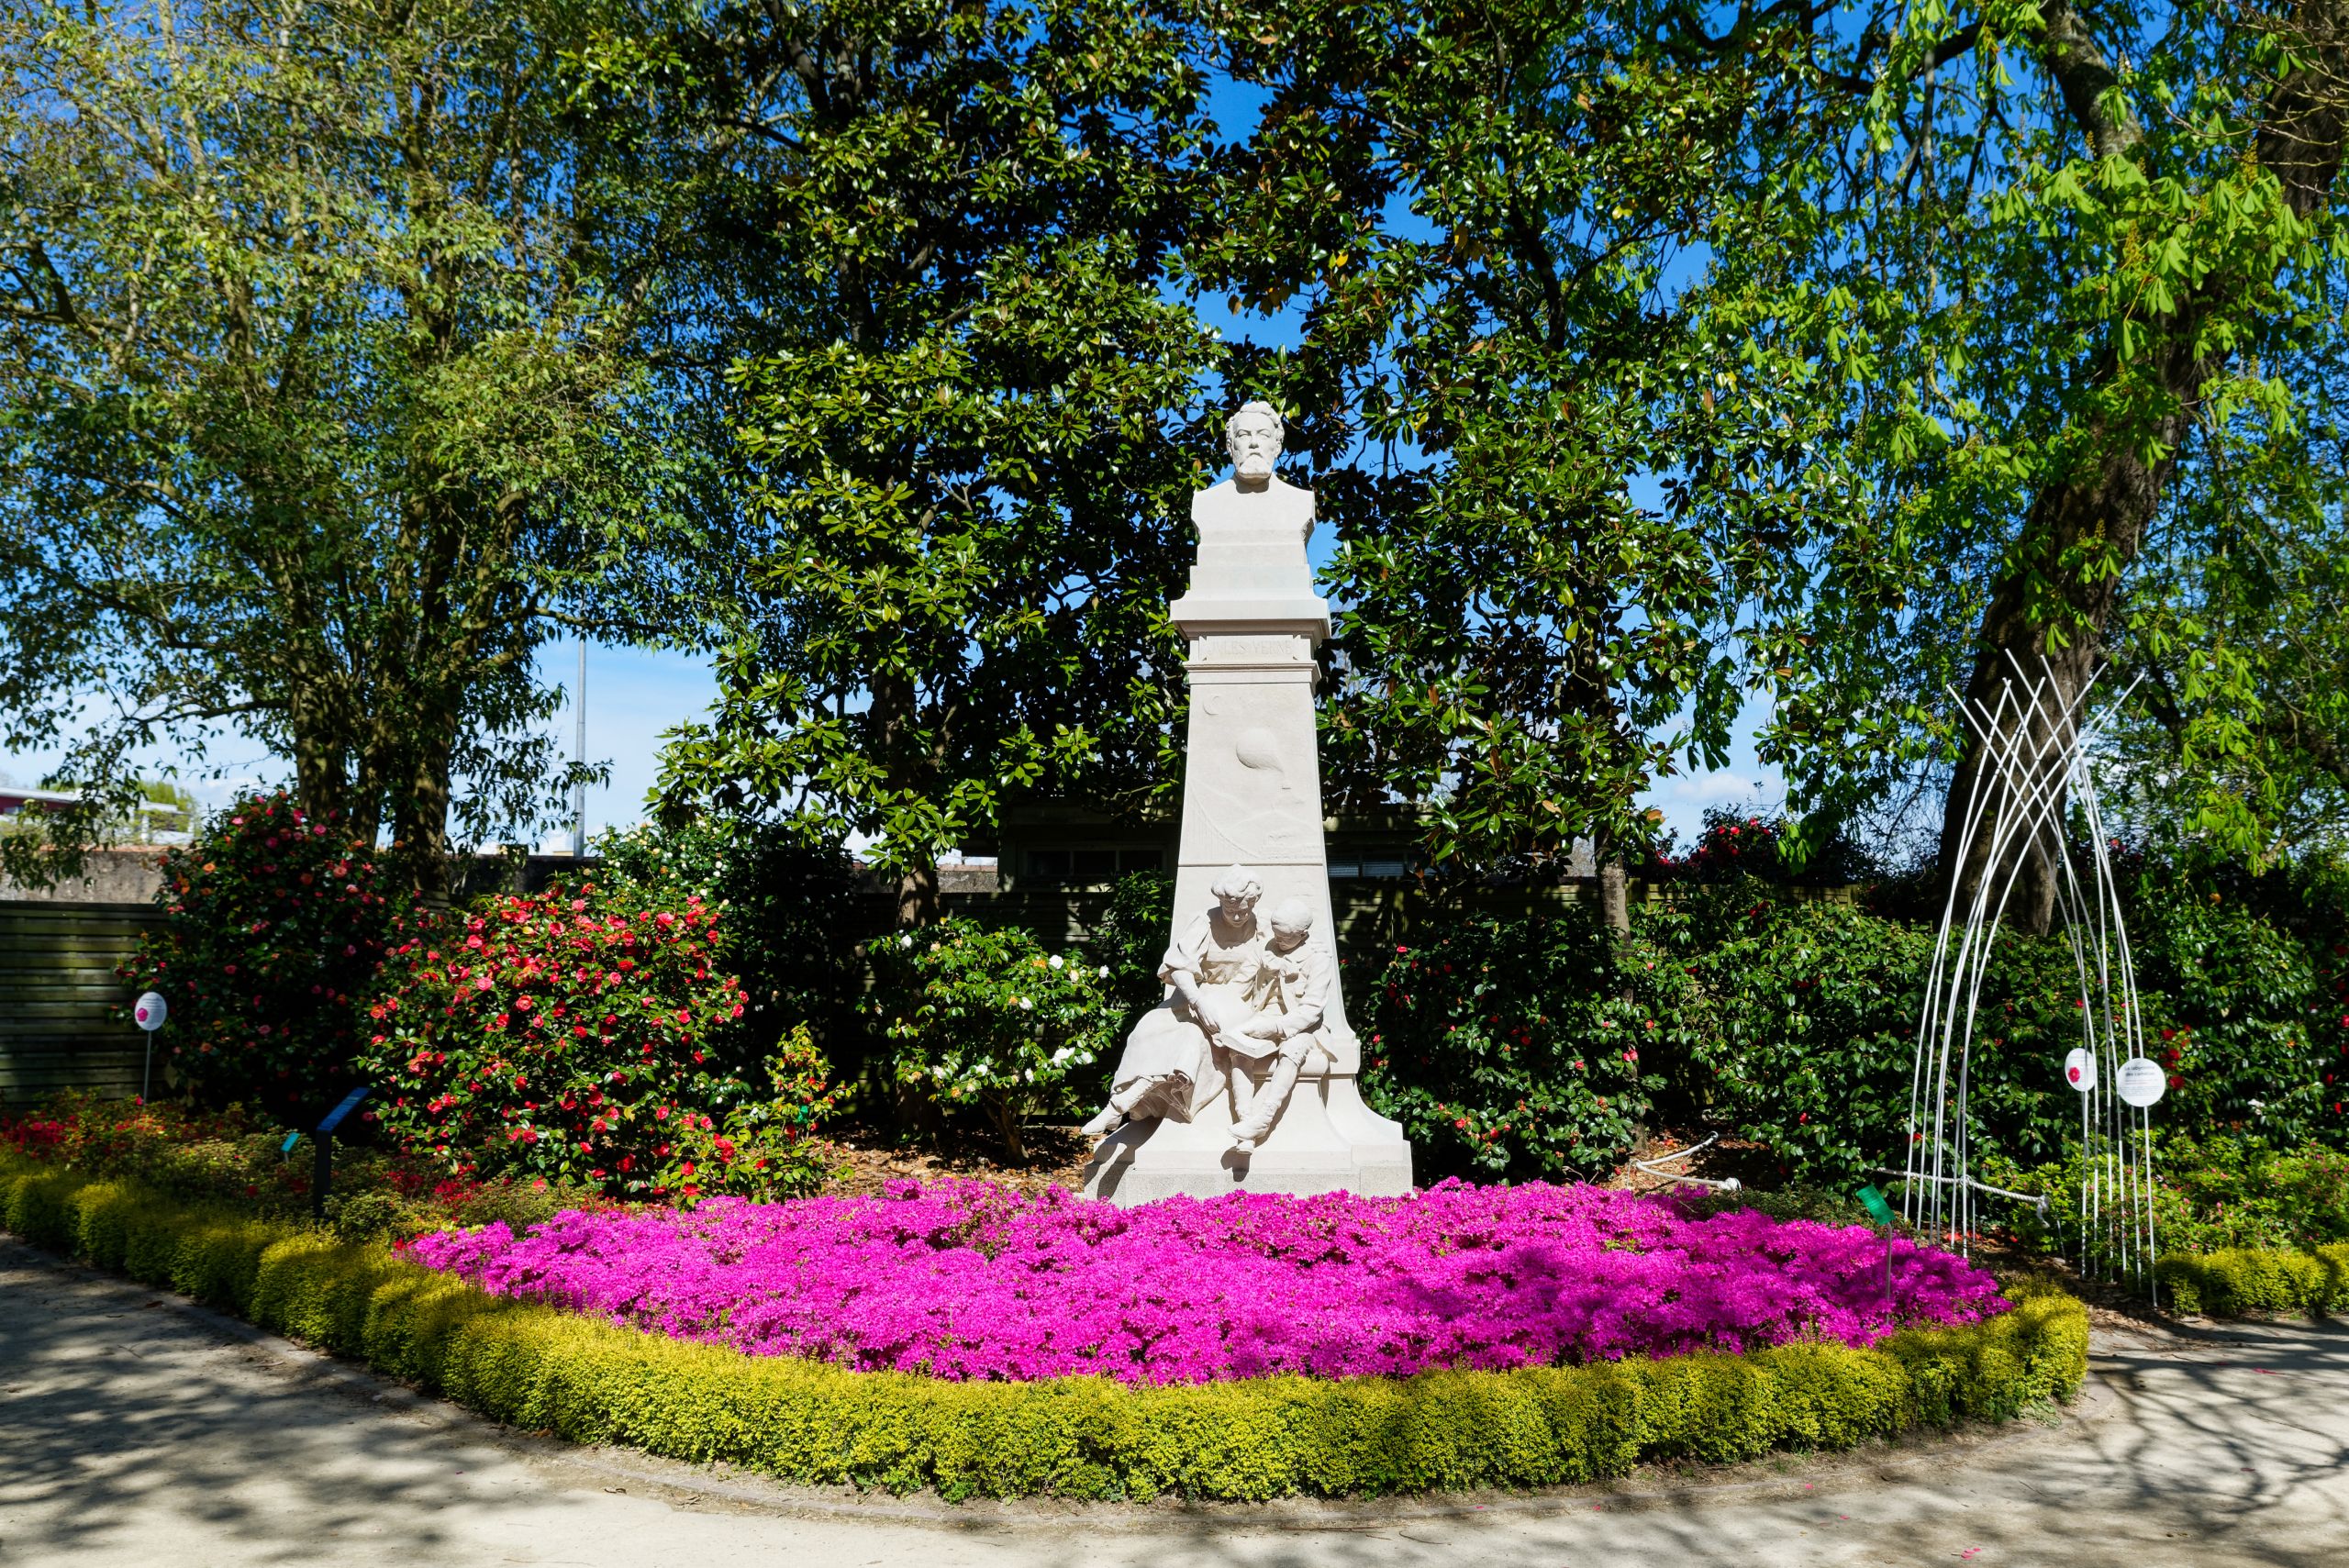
{"points": [[869, 1159]]}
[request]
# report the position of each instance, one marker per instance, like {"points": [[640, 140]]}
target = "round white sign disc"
{"points": [[2141, 1081], [2080, 1069], [151, 1010]]}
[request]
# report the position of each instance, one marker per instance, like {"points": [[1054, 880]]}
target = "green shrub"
{"points": [[791, 921], [763, 1149], [1811, 1047], [593, 1382], [555, 1035], [2255, 1030], [2209, 1195], [1816, 1007], [273, 924], [1520, 1049], [1132, 937], [2235, 1282], [983, 1019]]}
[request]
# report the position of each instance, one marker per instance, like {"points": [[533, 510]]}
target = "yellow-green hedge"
{"points": [[590, 1382], [2242, 1279]]}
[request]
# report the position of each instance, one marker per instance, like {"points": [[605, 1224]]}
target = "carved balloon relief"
{"points": [[1258, 748]]}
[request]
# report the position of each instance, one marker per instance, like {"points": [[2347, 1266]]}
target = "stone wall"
{"points": [[109, 877]]}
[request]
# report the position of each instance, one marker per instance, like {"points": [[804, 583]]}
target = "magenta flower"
{"points": [[963, 1280]]}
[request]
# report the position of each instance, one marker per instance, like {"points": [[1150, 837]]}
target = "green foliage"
{"points": [[319, 401], [1789, 1022], [1816, 1007], [1513, 1050], [960, 383], [793, 920], [1483, 211], [2239, 1283], [984, 1019], [1132, 938], [2254, 1031], [556, 1035], [593, 1382], [763, 1149], [274, 923], [2209, 1195], [2072, 269]]}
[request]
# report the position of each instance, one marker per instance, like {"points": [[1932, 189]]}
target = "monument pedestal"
{"points": [[1252, 798]]}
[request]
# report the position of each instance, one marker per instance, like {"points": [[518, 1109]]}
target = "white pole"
{"points": [[579, 823]]}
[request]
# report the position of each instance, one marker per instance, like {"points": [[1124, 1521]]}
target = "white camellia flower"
{"points": [[906, 941], [1105, 972], [1032, 1074], [1062, 1054], [1056, 960], [1026, 1006]]}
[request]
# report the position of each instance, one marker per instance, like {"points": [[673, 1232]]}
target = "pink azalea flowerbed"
{"points": [[963, 1280]]}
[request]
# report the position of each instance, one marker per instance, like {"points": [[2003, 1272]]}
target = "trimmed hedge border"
{"points": [[591, 1382], [2240, 1280]]}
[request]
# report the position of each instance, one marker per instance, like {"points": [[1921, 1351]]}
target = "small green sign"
{"points": [[1873, 1201]]}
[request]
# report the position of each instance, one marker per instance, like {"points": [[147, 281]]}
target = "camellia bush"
{"points": [[273, 924], [792, 922], [556, 1035], [764, 1149], [1521, 1049], [985, 1020]]}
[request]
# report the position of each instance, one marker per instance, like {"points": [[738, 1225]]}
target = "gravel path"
{"points": [[136, 1429]]}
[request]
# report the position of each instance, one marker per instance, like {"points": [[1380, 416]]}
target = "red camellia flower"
{"points": [[456, 1078]]}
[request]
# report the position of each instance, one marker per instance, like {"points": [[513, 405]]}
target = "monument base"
{"points": [[1326, 1140]]}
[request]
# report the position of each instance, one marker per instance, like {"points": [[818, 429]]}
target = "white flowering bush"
{"points": [[984, 1021]]}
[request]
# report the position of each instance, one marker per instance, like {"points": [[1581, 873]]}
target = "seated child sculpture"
{"points": [[1233, 991]]}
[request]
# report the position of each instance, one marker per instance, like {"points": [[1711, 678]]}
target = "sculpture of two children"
{"points": [[1240, 997]]}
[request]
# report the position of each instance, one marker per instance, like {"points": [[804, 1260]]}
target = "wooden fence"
{"points": [[59, 996]]}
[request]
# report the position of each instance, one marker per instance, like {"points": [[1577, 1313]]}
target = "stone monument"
{"points": [[1245, 1077]]}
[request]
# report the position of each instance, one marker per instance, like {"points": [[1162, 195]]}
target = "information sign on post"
{"points": [[322, 1171], [1881, 1212], [148, 1013], [2141, 1081], [2079, 1070]]}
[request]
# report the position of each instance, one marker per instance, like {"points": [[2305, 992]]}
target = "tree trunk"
{"points": [[918, 896], [2048, 615], [420, 815], [1614, 895], [1006, 1121], [2111, 507]]}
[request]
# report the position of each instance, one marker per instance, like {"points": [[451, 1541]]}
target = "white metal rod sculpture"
{"points": [[2035, 749]]}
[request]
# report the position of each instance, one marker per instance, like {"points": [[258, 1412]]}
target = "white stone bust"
{"points": [[1254, 526], [1255, 497]]}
